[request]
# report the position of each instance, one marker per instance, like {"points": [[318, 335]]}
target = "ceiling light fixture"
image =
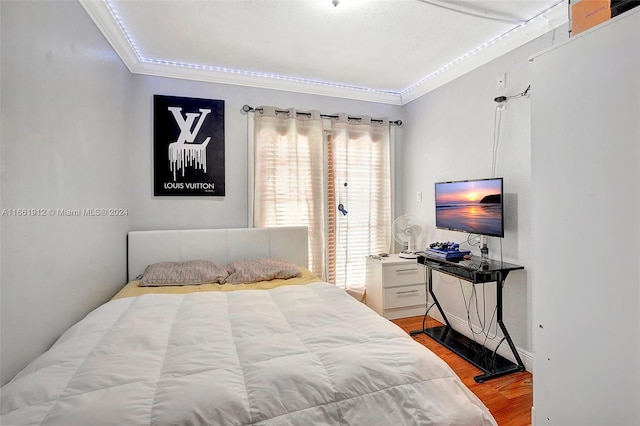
{"points": [[335, 3]]}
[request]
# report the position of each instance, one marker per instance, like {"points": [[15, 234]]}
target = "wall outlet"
{"points": [[501, 81], [419, 196]]}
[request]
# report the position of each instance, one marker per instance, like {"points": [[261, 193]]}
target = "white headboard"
{"points": [[219, 245]]}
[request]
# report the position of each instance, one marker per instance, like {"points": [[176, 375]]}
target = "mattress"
{"points": [[293, 355]]}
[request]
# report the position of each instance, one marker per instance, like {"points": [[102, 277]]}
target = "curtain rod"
{"points": [[247, 108]]}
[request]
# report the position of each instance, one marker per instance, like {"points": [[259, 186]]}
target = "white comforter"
{"points": [[296, 355]]}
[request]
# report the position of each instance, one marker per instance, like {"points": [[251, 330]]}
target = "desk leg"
{"points": [[520, 365], [492, 364], [435, 300]]}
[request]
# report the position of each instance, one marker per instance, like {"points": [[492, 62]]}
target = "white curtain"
{"points": [[361, 183], [296, 181], [289, 176]]}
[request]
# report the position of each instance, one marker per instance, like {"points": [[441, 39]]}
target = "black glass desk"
{"points": [[476, 272]]}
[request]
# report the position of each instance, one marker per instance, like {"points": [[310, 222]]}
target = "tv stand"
{"points": [[476, 272]]}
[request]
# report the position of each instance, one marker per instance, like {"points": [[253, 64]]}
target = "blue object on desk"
{"points": [[448, 254]]}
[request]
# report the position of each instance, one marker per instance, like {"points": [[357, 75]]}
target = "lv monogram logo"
{"points": [[184, 152], [186, 123]]}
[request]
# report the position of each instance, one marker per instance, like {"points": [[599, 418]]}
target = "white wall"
{"points": [[65, 106], [149, 212], [450, 136], [77, 133], [586, 217]]}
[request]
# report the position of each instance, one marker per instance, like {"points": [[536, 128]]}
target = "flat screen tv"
{"points": [[474, 206]]}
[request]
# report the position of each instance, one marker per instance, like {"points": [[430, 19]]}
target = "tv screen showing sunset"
{"points": [[470, 206]]}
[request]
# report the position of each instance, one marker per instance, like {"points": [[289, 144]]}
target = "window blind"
{"points": [[359, 179], [295, 183]]}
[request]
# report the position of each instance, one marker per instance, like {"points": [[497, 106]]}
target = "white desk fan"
{"points": [[407, 231]]}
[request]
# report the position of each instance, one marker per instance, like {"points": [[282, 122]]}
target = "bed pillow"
{"points": [[251, 271], [189, 272]]}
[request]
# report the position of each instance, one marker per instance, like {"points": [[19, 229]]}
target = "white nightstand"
{"points": [[395, 287]]}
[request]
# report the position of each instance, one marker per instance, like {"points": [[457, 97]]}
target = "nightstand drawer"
{"points": [[399, 297], [399, 275]]}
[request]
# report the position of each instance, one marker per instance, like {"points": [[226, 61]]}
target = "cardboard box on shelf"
{"points": [[586, 14]]}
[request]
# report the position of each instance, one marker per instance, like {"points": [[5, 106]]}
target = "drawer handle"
{"points": [[406, 270], [407, 292]]}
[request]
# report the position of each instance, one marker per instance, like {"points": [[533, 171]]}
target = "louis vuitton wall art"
{"points": [[188, 146]]}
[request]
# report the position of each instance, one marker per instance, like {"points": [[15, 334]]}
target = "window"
{"points": [[302, 174], [359, 179]]}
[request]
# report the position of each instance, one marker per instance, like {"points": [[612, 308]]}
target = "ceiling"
{"points": [[389, 51]]}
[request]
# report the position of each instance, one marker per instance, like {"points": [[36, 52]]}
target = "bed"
{"points": [[305, 354]]}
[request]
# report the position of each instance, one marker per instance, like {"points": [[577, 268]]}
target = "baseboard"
{"points": [[461, 326], [533, 415]]}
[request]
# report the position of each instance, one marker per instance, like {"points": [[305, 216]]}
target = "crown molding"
{"points": [[108, 23], [101, 15], [534, 28], [240, 78]]}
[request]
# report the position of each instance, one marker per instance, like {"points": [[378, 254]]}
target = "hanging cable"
{"points": [[485, 329], [467, 306], [497, 120], [501, 99]]}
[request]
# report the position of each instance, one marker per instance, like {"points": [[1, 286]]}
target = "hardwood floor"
{"points": [[509, 398]]}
